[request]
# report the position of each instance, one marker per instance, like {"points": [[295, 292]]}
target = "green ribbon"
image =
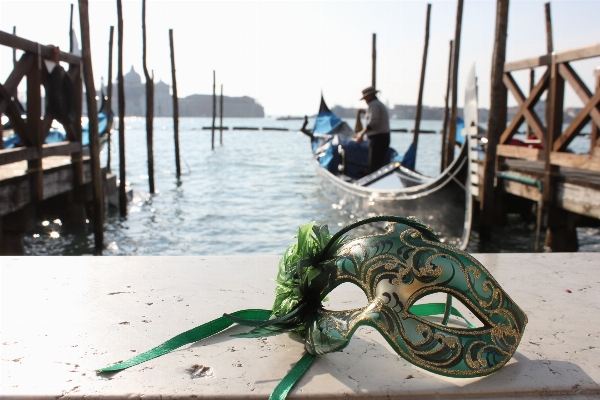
{"points": [[193, 335], [220, 324]]}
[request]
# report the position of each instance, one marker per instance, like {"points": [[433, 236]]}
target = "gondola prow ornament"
{"points": [[394, 269]]}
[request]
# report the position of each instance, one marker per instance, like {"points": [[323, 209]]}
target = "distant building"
{"points": [[196, 105]]}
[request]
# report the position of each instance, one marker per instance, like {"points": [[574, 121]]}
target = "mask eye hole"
{"points": [[346, 296], [465, 318]]}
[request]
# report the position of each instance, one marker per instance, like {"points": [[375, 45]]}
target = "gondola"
{"points": [[442, 202]]}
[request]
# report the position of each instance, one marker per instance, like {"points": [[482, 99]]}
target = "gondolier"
{"points": [[377, 128]]}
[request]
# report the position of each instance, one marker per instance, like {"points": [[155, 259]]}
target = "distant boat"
{"points": [[289, 118], [442, 202]]}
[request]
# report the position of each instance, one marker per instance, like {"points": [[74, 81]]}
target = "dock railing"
{"points": [[553, 138], [33, 131]]}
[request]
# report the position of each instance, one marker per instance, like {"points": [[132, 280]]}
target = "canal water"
{"points": [[249, 195]]}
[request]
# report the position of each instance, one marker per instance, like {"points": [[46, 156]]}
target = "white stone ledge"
{"points": [[64, 317]]}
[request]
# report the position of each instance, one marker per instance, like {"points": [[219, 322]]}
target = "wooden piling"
{"points": [[71, 30], [175, 107], [34, 126], [594, 139], [214, 110], [529, 131], [451, 139], [221, 117], [422, 82], [149, 105], [14, 49], [549, 50], [446, 109], [108, 104], [88, 77], [121, 94], [374, 62], [497, 121]]}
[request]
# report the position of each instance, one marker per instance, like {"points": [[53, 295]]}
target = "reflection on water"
{"points": [[249, 196]]}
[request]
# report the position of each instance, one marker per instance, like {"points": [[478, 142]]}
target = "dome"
{"points": [[132, 77]]}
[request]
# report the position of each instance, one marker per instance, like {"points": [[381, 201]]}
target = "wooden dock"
{"points": [[36, 173], [564, 186]]}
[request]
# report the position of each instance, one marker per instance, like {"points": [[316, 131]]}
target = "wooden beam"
{"points": [[109, 87], [549, 40], [149, 105], [446, 110], [451, 139], [14, 50], [221, 117], [16, 76], [17, 154], [594, 142], [6, 39], [214, 110], [422, 81], [496, 124], [34, 131], [97, 189], [580, 120], [582, 91], [571, 160], [175, 106], [581, 53], [14, 115], [525, 107], [525, 153], [374, 61]]}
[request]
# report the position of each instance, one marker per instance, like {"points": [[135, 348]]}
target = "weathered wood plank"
{"points": [[525, 153], [15, 77], [580, 88], [19, 43], [561, 57], [562, 159], [521, 190], [528, 63], [580, 120]]}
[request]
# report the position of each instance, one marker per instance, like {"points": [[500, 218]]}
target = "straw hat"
{"points": [[368, 92]]}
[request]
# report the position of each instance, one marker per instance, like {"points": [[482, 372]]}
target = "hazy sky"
{"points": [[284, 53]]}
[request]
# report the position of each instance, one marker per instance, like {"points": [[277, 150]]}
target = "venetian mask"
{"points": [[396, 269]]}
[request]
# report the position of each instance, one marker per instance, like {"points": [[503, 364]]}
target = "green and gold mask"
{"points": [[395, 270]]}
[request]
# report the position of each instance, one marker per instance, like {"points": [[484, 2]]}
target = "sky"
{"points": [[285, 53]]}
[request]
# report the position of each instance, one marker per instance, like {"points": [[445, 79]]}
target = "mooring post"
{"points": [[529, 131], [595, 143], [214, 110], [71, 30], [422, 82], [221, 117], [446, 109], [149, 105], [451, 139], [121, 95], [496, 123], [108, 104], [34, 126], [374, 62], [175, 106], [88, 76], [14, 49]]}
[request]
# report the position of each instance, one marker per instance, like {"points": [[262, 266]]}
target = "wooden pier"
{"points": [[564, 186], [36, 173]]}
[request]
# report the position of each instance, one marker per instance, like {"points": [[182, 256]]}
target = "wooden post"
{"points": [[71, 31], [422, 82], [374, 62], [531, 85], [549, 40], [109, 87], [595, 143], [149, 105], [221, 117], [121, 94], [446, 109], [175, 106], [34, 126], [90, 89], [214, 110], [14, 49], [496, 123], [451, 140], [549, 50]]}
